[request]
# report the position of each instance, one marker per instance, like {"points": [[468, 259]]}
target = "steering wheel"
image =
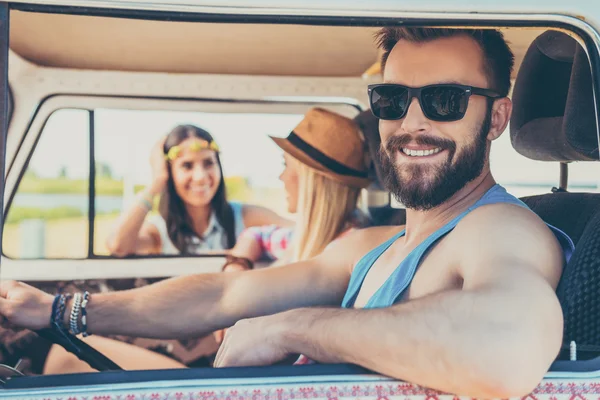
{"points": [[82, 350]]}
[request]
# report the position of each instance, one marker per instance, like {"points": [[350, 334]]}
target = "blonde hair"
{"points": [[325, 207]]}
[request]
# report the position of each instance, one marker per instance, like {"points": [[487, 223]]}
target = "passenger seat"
{"points": [[554, 120]]}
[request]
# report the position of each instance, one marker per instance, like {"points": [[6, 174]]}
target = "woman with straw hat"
{"points": [[325, 170]]}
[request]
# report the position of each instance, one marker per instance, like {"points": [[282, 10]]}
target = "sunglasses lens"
{"points": [[389, 102], [444, 103]]}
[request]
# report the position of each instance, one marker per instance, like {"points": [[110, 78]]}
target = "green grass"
{"points": [[18, 214], [237, 188], [104, 186]]}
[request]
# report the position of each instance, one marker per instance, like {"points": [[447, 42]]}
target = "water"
{"points": [[104, 204]]}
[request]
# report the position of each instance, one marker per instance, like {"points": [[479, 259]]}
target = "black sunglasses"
{"points": [[442, 102]]}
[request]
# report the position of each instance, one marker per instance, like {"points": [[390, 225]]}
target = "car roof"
{"points": [[105, 43]]}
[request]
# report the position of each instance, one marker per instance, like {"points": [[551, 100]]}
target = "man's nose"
{"points": [[415, 120]]}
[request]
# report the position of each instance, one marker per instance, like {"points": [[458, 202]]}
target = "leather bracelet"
{"points": [[246, 262], [62, 308]]}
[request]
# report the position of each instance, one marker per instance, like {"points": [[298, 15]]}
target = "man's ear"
{"points": [[501, 111]]}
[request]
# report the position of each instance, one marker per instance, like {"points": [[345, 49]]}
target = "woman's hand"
{"points": [[159, 165], [24, 306]]}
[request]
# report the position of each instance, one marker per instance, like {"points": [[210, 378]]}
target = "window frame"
{"points": [[199, 104], [376, 18]]}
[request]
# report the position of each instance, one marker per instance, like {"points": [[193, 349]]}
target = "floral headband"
{"points": [[197, 145]]}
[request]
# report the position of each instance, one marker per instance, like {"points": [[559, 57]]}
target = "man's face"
{"points": [[419, 179]]}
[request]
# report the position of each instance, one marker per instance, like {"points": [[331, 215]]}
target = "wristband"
{"points": [[246, 262]]}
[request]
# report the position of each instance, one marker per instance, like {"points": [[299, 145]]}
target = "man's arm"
{"points": [[196, 305], [494, 338]]}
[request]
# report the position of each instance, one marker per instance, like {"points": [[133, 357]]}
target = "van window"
{"points": [[251, 161], [522, 176], [48, 217]]}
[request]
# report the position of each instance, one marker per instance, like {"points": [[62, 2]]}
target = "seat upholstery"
{"points": [[578, 215], [554, 120]]}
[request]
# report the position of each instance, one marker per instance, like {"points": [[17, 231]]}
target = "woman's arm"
{"points": [[261, 242], [131, 235], [260, 216], [248, 245]]}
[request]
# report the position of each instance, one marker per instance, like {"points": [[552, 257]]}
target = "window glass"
{"points": [[525, 177], [48, 217], [251, 161]]}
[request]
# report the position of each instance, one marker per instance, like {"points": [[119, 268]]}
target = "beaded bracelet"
{"points": [[86, 299], [74, 318], [62, 307]]}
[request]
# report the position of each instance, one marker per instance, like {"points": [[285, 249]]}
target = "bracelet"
{"points": [[84, 302], [62, 307], [74, 318], [58, 315], [54, 310], [246, 262], [145, 200]]}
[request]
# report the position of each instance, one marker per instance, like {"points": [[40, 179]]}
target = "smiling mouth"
{"points": [[421, 153], [199, 189]]}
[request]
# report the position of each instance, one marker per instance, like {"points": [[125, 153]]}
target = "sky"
{"points": [[124, 139]]}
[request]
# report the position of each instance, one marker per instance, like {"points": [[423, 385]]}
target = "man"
{"points": [[479, 317]]}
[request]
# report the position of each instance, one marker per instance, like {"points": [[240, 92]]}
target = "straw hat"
{"points": [[330, 144]]}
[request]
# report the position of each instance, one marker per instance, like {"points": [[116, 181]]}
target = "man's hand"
{"points": [[24, 306], [253, 342]]}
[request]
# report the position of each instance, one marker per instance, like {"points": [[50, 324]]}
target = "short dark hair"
{"points": [[498, 59]]}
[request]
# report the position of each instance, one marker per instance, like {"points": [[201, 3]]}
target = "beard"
{"points": [[408, 183]]}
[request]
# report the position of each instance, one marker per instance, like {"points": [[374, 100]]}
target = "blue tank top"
{"points": [[393, 288]]}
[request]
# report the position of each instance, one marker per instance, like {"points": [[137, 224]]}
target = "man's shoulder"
{"points": [[508, 231], [501, 215], [360, 241]]}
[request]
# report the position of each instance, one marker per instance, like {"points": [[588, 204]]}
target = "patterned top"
{"points": [[272, 239], [214, 237]]}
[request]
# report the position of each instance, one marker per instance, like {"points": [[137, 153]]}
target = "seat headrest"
{"points": [[554, 115]]}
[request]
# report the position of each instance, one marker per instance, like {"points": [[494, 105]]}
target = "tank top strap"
{"points": [[403, 275], [363, 266]]}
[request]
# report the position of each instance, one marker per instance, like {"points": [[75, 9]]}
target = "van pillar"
{"points": [[4, 15]]}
